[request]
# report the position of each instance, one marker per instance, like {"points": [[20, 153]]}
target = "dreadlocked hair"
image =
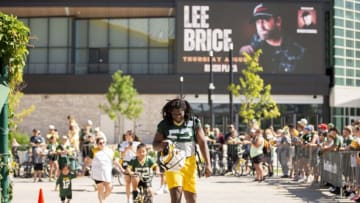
{"points": [[176, 104]]}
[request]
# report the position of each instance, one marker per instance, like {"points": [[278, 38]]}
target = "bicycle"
{"points": [[242, 165], [216, 161], [118, 175], [144, 193]]}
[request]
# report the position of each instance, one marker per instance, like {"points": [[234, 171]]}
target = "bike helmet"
{"points": [[171, 158]]}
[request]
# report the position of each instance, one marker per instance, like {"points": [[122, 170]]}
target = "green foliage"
{"points": [[14, 38], [121, 97], [256, 100]]}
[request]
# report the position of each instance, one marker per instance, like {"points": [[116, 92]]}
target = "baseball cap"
{"points": [[322, 127], [309, 128], [303, 122], [206, 126], [51, 127], [263, 10], [348, 128]]}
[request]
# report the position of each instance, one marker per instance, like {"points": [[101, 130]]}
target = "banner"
{"points": [[290, 35]]}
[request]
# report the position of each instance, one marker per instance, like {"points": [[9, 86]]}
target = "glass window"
{"points": [[339, 32], [349, 82], [339, 62], [159, 55], [357, 15], [357, 6], [138, 68], [339, 81], [159, 32], [119, 29], [339, 52], [357, 73], [339, 3], [349, 33], [172, 28], [357, 35], [357, 84], [357, 44], [339, 22], [39, 32], [349, 14], [82, 59], [81, 33], [350, 72], [158, 68], [37, 60], [138, 32], [339, 13], [118, 60], [349, 4], [59, 32], [349, 63], [339, 71], [357, 54], [349, 24], [349, 53], [58, 60], [98, 33], [138, 55], [349, 43], [339, 42]]}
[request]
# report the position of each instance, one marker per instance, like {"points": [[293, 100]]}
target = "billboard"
{"points": [[290, 35]]}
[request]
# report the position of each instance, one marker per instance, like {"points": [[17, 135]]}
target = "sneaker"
{"points": [[40, 180]]}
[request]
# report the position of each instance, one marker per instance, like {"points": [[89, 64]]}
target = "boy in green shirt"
{"points": [[140, 167], [64, 180]]}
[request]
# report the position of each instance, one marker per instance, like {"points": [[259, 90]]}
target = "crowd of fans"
{"points": [[298, 149]]}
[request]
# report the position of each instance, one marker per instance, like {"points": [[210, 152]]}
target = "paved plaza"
{"points": [[211, 190]]}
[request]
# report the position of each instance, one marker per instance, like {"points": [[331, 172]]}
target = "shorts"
{"points": [[98, 181], [38, 167], [257, 159], [63, 198], [185, 178]]}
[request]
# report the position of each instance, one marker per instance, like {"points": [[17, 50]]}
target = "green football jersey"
{"points": [[143, 169], [182, 135], [65, 184]]}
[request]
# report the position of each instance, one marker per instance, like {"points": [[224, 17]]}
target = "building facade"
{"points": [[345, 99], [77, 45]]}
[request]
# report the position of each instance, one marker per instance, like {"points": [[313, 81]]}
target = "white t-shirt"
{"points": [[130, 153], [102, 165]]}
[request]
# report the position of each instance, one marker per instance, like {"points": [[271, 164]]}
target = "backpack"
{"points": [[266, 148]]}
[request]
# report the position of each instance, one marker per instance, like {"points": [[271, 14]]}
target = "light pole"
{"points": [[210, 91], [231, 81], [181, 87]]}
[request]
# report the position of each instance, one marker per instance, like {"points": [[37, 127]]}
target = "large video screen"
{"points": [[290, 35]]}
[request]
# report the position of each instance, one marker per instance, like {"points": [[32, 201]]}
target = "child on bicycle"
{"points": [[141, 167]]}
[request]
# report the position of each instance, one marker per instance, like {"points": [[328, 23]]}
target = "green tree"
{"points": [[122, 98], [255, 97], [14, 38]]}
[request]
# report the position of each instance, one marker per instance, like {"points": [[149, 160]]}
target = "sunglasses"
{"points": [[101, 143]]}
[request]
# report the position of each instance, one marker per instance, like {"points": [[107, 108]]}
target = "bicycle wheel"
{"points": [[265, 169], [120, 179], [236, 168]]}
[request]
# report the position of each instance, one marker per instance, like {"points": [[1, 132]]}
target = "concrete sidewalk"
{"points": [[211, 190]]}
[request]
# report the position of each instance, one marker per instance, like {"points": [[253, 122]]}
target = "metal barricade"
{"points": [[339, 168]]}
